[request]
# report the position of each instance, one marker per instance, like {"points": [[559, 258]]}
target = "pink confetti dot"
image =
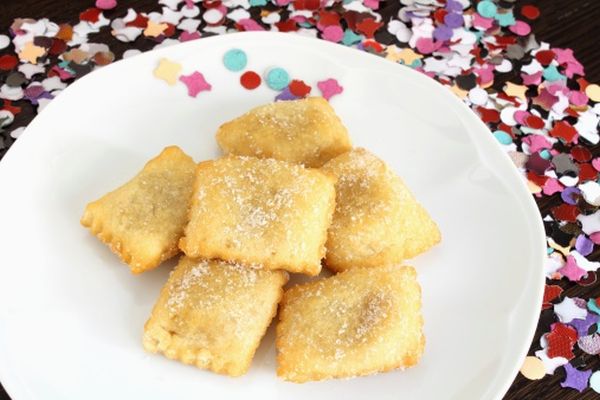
{"points": [[520, 28], [333, 33], [106, 4], [596, 163], [520, 116], [578, 98], [425, 45], [329, 88], [195, 83], [482, 22]]}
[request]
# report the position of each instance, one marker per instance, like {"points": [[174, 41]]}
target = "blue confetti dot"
{"points": [[545, 154], [503, 137], [235, 60], [487, 9], [551, 74], [593, 307], [277, 79], [506, 19], [351, 38]]}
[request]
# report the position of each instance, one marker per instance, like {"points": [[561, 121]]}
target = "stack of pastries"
{"points": [[289, 194]]}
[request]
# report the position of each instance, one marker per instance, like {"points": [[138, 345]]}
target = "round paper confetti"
{"points": [[529, 11], [487, 9], [595, 381], [277, 78], [4, 41], [250, 80], [235, 60], [533, 368], [593, 92]]}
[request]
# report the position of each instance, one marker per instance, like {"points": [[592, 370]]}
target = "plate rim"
{"points": [[18, 391]]}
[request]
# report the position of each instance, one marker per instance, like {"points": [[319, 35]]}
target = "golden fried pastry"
{"points": [[303, 131], [377, 221], [143, 220], [212, 314], [359, 322], [260, 211]]}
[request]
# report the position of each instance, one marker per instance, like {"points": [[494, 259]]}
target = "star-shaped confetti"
{"points": [[168, 71], [195, 83], [567, 310], [30, 53], [329, 88], [154, 29], [575, 378]]}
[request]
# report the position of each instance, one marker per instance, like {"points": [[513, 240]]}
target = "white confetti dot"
{"points": [[212, 16], [507, 115], [131, 52], [4, 41], [478, 96], [6, 118], [591, 192], [190, 12], [569, 181], [567, 310], [17, 132], [504, 66]]}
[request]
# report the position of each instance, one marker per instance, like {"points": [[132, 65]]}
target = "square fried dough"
{"points": [[260, 211], [143, 220], [213, 314], [377, 220], [303, 131], [358, 322]]}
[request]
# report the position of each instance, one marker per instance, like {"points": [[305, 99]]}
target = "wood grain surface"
{"points": [[571, 24]]}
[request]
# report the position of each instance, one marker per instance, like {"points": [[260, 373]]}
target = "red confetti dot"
{"points": [[250, 80], [539, 180], [488, 115], [287, 26], [503, 127], [566, 212], [139, 22], [368, 27], [581, 154], [587, 173], [545, 57], [8, 62], [327, 18], [307, 4], [14, 110], [371, 44], [170, 31], [439, 15], [561, 341], [58, 47], [299, 88], [564, 130], [534, 122], [90, 15], [530, 11]]}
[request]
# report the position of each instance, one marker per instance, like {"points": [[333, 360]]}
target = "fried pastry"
{"points": [[213, 314], [358, 322], [303, 131], [260, 211], [143, 220], [377, 221]]}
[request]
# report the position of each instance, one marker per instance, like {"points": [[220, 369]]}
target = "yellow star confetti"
{"points": [[392, 53], [593, 92], [515, 90], [408, 56], [563, 250], [31, 52], [533, 188], [168, 71], [154, 30]]}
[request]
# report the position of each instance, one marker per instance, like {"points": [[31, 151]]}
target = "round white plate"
{"points": [[71, 315]]}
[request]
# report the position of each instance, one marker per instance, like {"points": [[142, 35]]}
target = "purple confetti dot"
{"points": [[584, 245], [568, 195], [576, 379], [442, 32], [583, 325], [453, 20], [285, 94], [453, 5]]}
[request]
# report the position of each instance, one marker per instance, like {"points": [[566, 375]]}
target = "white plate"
{"points": [[71, 315]]}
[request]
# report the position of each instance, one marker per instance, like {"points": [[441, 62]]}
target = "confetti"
{"points": [[4, 42], [595, 381], [299, 89], [106, 4], [30, 53], [250, 80], [575, 378], [329, 88], [533, 368], [154, 29], [168, 71], [593, 92], [195, 83], [235, 60], [568, 310], [277, 78]]}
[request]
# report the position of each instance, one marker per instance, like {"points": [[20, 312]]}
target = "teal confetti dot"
{"points": [[254, 3], [235, 60], [351, 38], [277, 78], [503, 137], [549, 250], [487, 9], [551, 74], [545, 154], [305, 25], [593, 307], [506, 19], [595, 381], [417, 63]]}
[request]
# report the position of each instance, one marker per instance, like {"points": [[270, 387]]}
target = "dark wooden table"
{"points": [[567, 24]]}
